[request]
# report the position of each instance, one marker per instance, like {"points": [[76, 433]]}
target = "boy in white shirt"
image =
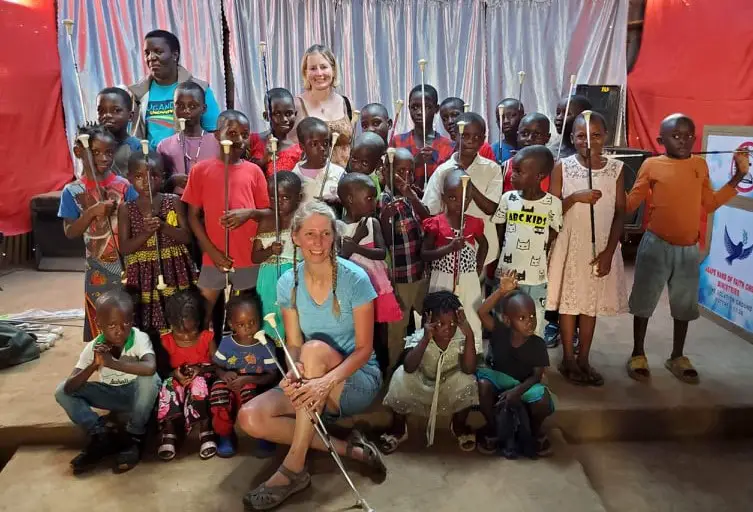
{"points": [[486, 179], [124, 358], [530, 220], [315, 139]]}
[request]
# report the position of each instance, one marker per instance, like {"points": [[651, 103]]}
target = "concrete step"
{"points": [[439, 479], [687, 476]]}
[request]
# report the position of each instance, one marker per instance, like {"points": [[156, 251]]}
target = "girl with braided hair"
{"points": [[437, 377], [327, 306]]}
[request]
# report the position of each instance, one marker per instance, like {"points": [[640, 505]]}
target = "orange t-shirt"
{"points": [[680, 191]]}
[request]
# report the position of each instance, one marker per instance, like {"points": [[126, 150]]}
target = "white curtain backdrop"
{"points": [[551, 40], [475, 48], [288, 27], [108, 41]]}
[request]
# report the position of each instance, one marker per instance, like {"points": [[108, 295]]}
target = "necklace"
{"points": [[198, 150]]}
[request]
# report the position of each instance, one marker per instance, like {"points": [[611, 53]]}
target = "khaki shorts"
{"points": [[211, 278]]}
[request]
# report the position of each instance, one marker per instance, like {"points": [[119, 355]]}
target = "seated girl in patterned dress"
{"points": [[184, 396]]}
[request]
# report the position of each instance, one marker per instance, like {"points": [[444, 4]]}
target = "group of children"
{"points": [[483, 241]]}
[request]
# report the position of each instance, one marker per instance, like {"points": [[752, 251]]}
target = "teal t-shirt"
{"points": [[160, 123], [319, 322]]}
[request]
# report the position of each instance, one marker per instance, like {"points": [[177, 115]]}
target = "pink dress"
{"points": [[573, 289], [387, 309]]}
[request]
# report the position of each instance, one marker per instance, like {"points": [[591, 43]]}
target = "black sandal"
{"points": [[593, 378], [373, 457], [389, 442], [573, 375]]}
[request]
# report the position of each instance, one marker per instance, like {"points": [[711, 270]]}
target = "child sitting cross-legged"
{"points": [[516, 366], [437, 376]]}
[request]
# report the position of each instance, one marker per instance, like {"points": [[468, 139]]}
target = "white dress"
{"points": [[573, 288]]}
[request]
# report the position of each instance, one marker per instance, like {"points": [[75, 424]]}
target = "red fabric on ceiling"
{"points": [[696, 57], [33, 146]]}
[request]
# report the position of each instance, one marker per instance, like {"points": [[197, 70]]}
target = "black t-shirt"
{"points": [[517, 362]]}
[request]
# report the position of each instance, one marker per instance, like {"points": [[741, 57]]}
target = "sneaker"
{"points": [[130, 453], [226, 447], [100, 447], [552, 335]]}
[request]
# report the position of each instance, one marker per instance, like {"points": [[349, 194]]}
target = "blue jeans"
{"points": [[136, 398]]}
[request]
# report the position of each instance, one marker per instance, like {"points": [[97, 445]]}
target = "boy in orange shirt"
{"points": [[668, 253]]}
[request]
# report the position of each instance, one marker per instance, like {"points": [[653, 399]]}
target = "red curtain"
{"points": [[696, 57], [35, 158]]}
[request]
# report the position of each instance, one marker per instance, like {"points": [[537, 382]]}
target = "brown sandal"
{"points": [[373, 456], [266, 497]]}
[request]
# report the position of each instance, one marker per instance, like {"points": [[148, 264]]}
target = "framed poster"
{"points": [[726, 284], [725, 292]]}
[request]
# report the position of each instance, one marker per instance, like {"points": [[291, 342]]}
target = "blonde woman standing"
{"points": [[319, 99]]}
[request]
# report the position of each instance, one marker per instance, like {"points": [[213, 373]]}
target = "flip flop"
{"points": [[637, 368], [683, 369]]}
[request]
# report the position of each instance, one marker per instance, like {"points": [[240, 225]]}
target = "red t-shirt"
{"points": [[286, 158], [487, 152], [247, 189], [440, 227], [197, 354]]}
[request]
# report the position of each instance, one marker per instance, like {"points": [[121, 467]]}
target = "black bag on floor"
{"points": [[16, 346], [514, 434]]}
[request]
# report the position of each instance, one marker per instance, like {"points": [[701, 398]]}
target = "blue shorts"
{"points": [[503, 382]]}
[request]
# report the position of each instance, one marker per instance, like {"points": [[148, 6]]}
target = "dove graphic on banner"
{"points": [[736, 251]]}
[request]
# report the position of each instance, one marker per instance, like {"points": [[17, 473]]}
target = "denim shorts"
{"points": [[658, 263], [359, 392]]}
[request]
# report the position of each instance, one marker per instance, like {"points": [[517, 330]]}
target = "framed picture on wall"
{"points": [[725, 292]]}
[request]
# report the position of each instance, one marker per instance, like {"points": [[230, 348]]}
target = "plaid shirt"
{"points": [[443, 148], [406, 258]]}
